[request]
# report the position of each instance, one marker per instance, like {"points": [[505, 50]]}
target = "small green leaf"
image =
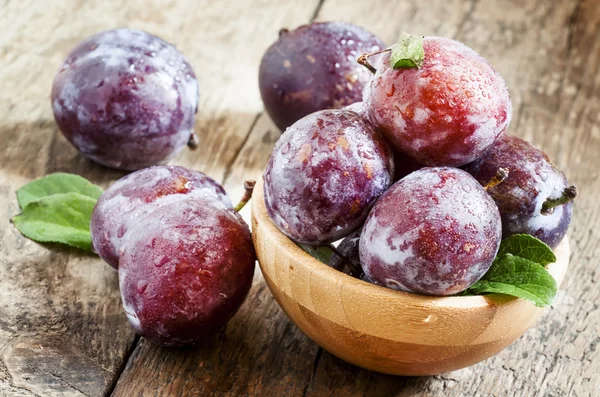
{"points": [[520, 277], [322, 253], [59, 218], [408, 52], [56, 184], [528, 247]]}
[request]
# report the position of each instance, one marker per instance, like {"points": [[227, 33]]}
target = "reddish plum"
{"points": [[134, 196], [446, 112], [313, 68], [325, 173], [126, 99], [434, 232], [532, 181], [185, 270]]}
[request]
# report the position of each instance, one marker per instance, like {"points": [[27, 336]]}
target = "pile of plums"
{"points": [[419, 178], [378, 174], [127, 99], [185, 256]]}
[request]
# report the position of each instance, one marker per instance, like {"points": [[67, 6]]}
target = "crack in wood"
{"points": [[229, 166], [313, 373]]}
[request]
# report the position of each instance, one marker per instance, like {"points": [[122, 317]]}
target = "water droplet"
{"points": [[171, 63], [141, 286], [161, 261], [466, 188], [430, 318], [469, 94], [451, 86], [285, 148], [337, 65]]}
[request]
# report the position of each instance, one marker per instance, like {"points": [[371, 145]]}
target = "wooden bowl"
{"points": [[381, 329]]}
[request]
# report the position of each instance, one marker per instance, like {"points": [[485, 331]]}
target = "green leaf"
{"points": [[322, 253], [57, 183], [408, 52], [528, 247], [59, 218], [520, 277]]}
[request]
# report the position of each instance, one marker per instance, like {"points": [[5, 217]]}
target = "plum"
{"points": [[447, 112], [403, 164], [132, 197], [185, 270], [314, 68], [324, 174], [535, 198], [126, 99], [349, 261], [434, 232]]}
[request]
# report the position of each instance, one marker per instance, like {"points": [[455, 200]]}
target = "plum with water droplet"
{"points": [[447, 112], [126, 99], [136, 195], [434, 232], [535, 198], [185, 270], [313, 68], [324, 174]]}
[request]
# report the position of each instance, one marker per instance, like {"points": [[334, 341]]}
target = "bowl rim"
{"points": [[260, 216]]}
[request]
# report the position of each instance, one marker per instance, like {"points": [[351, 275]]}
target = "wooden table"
{"points": [[62, 329]]}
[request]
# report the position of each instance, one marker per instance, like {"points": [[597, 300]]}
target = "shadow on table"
{"points": [[32, 150]]}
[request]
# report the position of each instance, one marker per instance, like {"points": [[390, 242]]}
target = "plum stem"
{"points": [[339, 254], [567, 196], [283, 32], [193, 141], [248, 189], [364, 59], [497, 179]]}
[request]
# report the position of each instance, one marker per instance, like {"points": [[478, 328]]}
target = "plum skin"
{"points": [[314, 68], [138, 194], [434, 232], [447, 112], [185, 271], [324, 174], [126, 99], [532, 179]]}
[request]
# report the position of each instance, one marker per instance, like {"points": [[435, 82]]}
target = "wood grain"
{"points": [[62, 330]]}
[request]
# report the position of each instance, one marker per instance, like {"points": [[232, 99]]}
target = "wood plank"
{"points": [[549, 55], [62, 328], [259, 352]]}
